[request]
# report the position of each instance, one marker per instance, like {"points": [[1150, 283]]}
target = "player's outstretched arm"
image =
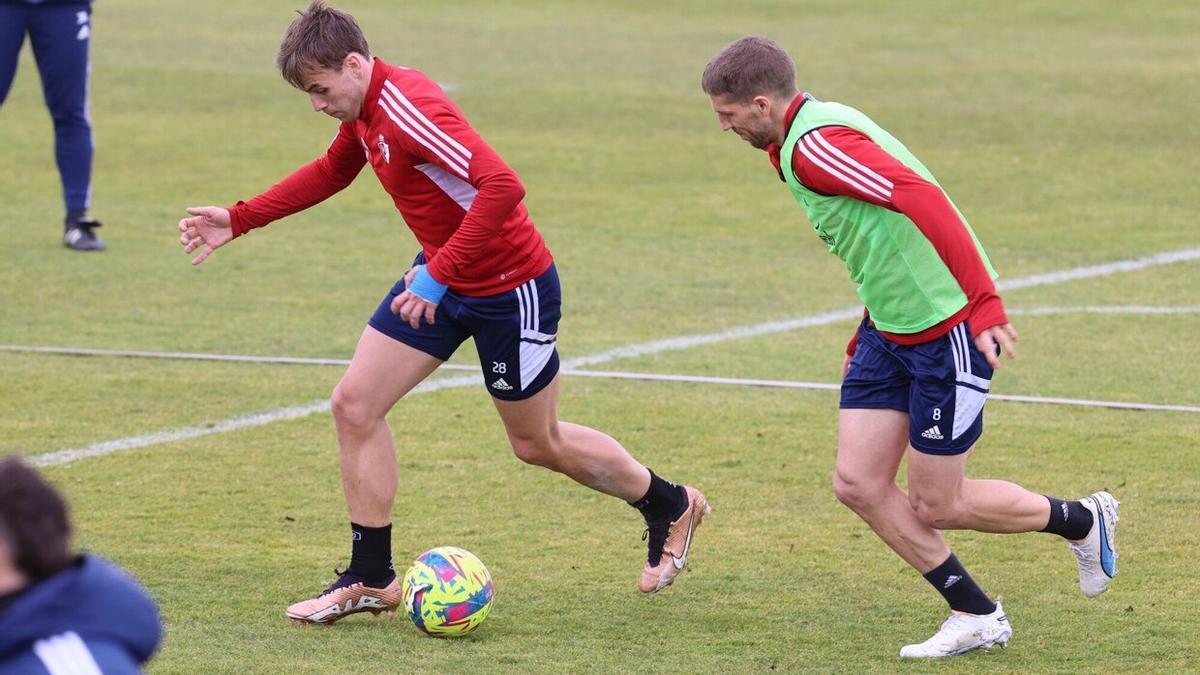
{"points": [[1003, 336], [208, 229]]}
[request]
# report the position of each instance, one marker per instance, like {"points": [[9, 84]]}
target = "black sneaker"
{"points": [[79, 235]]}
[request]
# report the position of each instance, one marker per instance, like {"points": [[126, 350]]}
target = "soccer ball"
{"points": [[448, 592]]}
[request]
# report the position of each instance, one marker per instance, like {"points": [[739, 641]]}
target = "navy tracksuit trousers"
{"points": [[59, 34]]}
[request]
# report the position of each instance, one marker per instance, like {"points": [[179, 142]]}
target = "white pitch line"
{"points": [[70, 455], [241, 422], [792, 384], [287, 413], [1123, 405], [1049, 278], [634, 350], [629, 351], [96, 449], [688, 341], [280, 414], [615, 375], [684, 342]]}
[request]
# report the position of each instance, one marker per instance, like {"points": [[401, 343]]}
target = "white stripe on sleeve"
{"points": [[399, 96], [455, 188], [854, 164], [405, 108], [822, 159], [408, 126], [66, 654]]}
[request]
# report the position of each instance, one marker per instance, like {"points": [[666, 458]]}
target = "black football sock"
{"points": [[371, 554], [1069, 520], [958, 588], [664, 501]]}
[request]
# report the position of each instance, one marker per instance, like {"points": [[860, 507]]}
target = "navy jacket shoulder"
{"points": [[91, 615]]}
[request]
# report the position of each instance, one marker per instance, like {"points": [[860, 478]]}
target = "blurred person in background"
{"points": [[59, 33]]}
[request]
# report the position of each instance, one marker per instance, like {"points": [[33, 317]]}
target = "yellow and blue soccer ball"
{"points": [[448, 592]]}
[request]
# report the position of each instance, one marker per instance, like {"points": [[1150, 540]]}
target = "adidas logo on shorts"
{"points": [[501, 385], [932, 433]]}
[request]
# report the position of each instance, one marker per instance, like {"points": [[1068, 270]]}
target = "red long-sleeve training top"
{"points": [[460, 199]]}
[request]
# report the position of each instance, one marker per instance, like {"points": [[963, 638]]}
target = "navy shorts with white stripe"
{"points": [[942, 385], [515, 332]]}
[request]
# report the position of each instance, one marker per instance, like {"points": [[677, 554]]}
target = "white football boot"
{"points": [[962, 633], [1096, 553]]}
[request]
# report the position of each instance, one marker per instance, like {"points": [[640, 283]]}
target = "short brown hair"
{"points": [[33, 521], [319, 39], [749, 67]]}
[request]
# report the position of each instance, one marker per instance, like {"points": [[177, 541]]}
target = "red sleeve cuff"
{"points": [[434, 272], [235, 220], [238, 222], [987, 312]]}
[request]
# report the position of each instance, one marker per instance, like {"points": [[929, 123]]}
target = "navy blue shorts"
{"points": [[515, 332], [941, 384]]}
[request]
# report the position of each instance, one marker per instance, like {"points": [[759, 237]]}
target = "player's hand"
{"points": [[411, 308], [208, 229], [1004, 336]]}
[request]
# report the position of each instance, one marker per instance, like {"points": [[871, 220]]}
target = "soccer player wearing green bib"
{"points": [[918, 370]]}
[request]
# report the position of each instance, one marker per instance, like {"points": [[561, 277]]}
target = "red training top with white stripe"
{"points": [[453, 190], [837, 160]]}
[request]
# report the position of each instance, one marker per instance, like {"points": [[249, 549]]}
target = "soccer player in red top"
{"points": [[483, 272], [919, 369]]}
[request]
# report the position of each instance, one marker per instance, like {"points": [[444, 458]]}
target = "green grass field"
{"points": [[1066, 132]]}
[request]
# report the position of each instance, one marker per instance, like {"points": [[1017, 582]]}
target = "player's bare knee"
{"points": [[936, 513], [538, 451], [853, 492], [843, 490], [351, 411]]}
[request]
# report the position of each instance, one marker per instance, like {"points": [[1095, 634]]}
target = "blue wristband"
{"points": [[427, 288]]}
